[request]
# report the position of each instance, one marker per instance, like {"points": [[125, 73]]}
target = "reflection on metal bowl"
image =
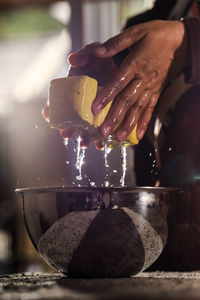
{"points": [[97, 232]]}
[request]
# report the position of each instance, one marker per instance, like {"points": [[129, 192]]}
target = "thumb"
{"points": [[81, 58], [78, 59]]}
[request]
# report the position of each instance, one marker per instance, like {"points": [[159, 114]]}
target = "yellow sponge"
{"points": [[70, 101]]}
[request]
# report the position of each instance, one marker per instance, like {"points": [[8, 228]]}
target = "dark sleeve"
{"points": [[192, 73]]}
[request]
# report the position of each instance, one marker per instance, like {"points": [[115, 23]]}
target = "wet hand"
{"points": [[69, 132], [157, 52], [85, 62]]}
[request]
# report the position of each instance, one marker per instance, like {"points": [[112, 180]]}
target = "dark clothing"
{"points": [[181, 167], [192, 26], [180, 159]]}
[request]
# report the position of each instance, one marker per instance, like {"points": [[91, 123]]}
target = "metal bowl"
{"points": [[97, 232]]}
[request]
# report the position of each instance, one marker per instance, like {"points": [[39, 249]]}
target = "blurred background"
{"points": [[36, 37]]}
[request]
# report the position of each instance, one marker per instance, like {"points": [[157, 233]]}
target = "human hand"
{"points": [[85, 62], [70, 133], [157, 52]]}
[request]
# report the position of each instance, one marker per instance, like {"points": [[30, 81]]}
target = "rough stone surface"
{"points": [[144, 286], [108, 243]]}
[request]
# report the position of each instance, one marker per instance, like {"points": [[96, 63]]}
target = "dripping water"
{"points": [[107, 150], [123, 152], [79, 159]]}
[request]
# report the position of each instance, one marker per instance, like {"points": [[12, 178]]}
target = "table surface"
{"points": [[155, 285]]}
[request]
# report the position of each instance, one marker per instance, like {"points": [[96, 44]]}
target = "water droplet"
{"points": [[36, 126], [170, 149], [150, 154], [66, 141], [67, 162], [79, 177]]}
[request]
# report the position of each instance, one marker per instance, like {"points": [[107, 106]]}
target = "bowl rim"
{"points": [[95, 189]]}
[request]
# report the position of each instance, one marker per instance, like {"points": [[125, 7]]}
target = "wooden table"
{"points": [[155, 285]]}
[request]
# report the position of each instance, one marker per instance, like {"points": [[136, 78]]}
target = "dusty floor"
{"points": [[155, 285]]}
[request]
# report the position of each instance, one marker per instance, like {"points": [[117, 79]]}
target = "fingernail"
{"points": [[141, 134], [66, 133], [97, 109], [106, 131], [99, 145], [101, 50], [45, 113], [70, 57], [121, 135], [84, 144]]}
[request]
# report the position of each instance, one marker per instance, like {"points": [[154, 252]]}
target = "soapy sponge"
{"points": [[70, 101]]}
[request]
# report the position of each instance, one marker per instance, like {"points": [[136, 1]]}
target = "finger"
{"points": [[119, 81], [85, 142], [99, 145], [121, 41], [45, 113], [146, 116], [66, 133], [81, 58], [80, 137], [120, 107], [78, 59], [75, 71], [132, 116]]}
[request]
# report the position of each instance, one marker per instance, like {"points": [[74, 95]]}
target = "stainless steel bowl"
{"points": [[97, 232]]}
